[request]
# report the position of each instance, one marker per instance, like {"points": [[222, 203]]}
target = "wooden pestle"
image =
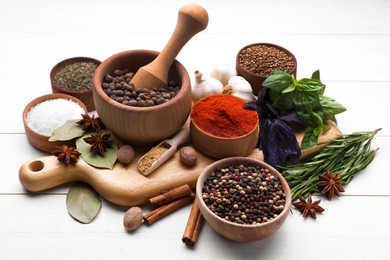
{"points": [[192, 19]]}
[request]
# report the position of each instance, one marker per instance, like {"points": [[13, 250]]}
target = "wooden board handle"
{"points": [[46, 172]]}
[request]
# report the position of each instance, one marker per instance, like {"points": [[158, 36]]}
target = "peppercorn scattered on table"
{"points": [[352, 54]]}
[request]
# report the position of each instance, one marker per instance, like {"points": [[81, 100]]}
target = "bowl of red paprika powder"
{"points": [[221, 127]]}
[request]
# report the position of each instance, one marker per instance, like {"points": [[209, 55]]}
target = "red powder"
{"points": [[224, 116]]}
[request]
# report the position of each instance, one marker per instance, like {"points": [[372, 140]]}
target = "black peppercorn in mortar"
{"points": [[244, 194], [118, 87]]}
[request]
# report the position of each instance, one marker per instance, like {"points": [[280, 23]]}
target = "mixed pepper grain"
{"points": [[244, 194]]}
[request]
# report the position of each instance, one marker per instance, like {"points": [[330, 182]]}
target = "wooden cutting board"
{"points": [[124, 185]]}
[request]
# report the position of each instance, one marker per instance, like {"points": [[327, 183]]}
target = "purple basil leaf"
{"points": [[278, 142], [291, 116]]}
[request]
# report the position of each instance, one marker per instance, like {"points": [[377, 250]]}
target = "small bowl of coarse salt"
{"points": [[255, 62], [46, 113]]}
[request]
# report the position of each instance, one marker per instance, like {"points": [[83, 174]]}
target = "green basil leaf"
{"points": [[331, 107], [309, 85], [106, 161], [68, 131], [83, 202], [283, 102], [279, 81], [289, 89], [311, 136], [316, 75], [305, 103]]}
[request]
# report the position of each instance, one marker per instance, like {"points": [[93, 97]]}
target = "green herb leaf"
{"points": [[68, 131], [311, 136], [283, 102], [306, 106], [309, 85], [106, 161], [316, 75], [331, 107], [83, 203], [279, 81]]}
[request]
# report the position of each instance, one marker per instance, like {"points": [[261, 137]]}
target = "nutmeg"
{"points": [[125, 154], [133, 218], [188, 155]]}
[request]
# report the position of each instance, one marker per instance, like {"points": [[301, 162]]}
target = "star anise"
{"points": [[91, 123], [66, 154], [331, 184], [306, 207], [99, 143]]}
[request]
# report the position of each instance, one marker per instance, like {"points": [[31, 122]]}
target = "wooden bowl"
{"points": [[222, 147], [86, 95], [235, 231], [256, 80], [42, 141], [142, 125]]}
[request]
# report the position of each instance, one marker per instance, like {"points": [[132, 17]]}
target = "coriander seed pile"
{"points": [[262, 60], [118, 87], [244, 194]]}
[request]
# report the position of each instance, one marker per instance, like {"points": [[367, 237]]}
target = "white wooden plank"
{"points": [[40, 228], [275, 17]]}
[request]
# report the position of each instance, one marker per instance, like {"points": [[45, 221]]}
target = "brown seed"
{"points": [[188, 155], [125, 154], [133, 218]]}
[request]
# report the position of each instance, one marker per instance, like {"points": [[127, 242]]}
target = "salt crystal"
{"points": [[48, 115]]}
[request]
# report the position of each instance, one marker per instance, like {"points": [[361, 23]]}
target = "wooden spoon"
{"points": [[181, 137], [192, 19]]}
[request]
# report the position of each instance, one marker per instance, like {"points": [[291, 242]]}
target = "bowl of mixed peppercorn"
{"points": [[255, 62], [243, 199]]}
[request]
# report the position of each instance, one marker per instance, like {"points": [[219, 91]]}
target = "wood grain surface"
{"points": [[124, 185]]}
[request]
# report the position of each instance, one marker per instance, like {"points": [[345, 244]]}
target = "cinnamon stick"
{"points": [[193, 225], [170, 195], [162, 211]]}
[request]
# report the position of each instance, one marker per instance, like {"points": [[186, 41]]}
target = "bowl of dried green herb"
{"points": [[255, 62], [243, 199], [73, 77]]}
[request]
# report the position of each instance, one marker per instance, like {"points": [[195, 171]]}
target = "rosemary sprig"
{"points": [[346, 155]]}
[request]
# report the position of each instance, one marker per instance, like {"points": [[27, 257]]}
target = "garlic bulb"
{"points": [[239, 87], [203, 87], [223, 73]]}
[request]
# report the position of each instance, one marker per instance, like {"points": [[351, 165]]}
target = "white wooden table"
{"points": [[349, 41]]}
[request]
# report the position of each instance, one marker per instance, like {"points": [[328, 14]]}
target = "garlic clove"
{"points": [[203, 87], [240, 87], [223, 72]]}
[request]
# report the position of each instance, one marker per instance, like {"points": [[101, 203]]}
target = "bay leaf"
{"points": [[68, 131], [105, 161], [83, 202]]}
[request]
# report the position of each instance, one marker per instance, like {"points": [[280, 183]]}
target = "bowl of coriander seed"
{"points": [[255, 62]]}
